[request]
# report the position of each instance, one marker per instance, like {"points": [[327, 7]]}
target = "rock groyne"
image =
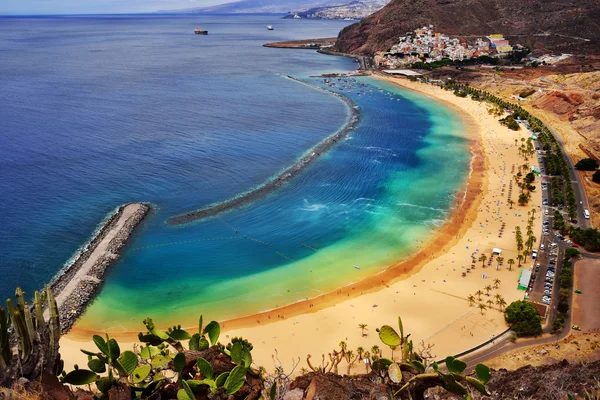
{"points": [[77, 285], [283, 177]]}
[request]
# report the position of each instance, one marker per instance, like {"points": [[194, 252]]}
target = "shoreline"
{"points": [[442, 239], [431, 297], [77, 284], [288, 173]]}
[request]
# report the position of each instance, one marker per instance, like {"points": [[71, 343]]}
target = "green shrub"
{"points": [[524, 318], [587, 164]]}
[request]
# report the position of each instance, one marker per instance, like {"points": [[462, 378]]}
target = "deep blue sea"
{"points": [[99, 111]]}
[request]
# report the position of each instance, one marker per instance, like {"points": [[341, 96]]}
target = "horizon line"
{"points": [[136, 13]]}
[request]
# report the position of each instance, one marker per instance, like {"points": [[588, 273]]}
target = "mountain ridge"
{"points": [[260, 6], [542, 25]]}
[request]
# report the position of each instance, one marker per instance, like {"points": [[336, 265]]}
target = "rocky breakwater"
{"points": [[287, 174], [77, 285]]}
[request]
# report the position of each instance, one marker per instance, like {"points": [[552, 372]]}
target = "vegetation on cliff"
{"points": [[187, 366], [177, 364]]}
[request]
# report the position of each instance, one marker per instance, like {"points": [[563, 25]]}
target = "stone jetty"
{"points": [[287, 174], [77, 285]]}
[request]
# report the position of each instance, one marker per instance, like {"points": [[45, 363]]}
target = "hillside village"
{"points": [[426, 45]]}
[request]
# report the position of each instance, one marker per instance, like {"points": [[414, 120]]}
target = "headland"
{"points": [[78, 284], [309, 44], [284, 176]]}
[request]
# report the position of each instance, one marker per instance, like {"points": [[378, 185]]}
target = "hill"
{"points": [[570, 26], [354, 10], [259, 6]]}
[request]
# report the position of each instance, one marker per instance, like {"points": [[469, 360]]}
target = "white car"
{"points": [[542, 247]]}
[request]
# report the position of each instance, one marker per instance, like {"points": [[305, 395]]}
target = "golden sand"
{"points": [[428, 291]]}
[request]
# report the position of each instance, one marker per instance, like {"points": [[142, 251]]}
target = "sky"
{"points": [[36, 7]]}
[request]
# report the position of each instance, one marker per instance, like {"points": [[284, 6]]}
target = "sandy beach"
{"points": [[428, 290]]}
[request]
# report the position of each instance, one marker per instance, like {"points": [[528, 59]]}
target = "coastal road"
{"points": [[552, 254], [578, 186], [503, 344]]}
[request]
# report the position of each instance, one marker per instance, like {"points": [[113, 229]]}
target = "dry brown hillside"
{"points": [[570, 26]]}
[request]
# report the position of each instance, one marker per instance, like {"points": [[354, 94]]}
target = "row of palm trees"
{"points": [[500, 261]]}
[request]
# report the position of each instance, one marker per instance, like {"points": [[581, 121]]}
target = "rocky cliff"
{"points": [[570, 26]]}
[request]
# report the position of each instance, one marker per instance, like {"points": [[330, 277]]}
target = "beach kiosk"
{"points": [[524, 279], [496, 251]]}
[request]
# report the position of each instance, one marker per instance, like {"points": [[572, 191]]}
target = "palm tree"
{"points": [[488, 289], [375, 350], [343, 346], [520, 258], [510, 203], [360, 351], [481, 307], [471, 299], [363, 327], [510, 263], [496, 283], [525, 254], [482, 259], [501, 302], [533, 240], [490, 303], [350, 359], [478, 294]]}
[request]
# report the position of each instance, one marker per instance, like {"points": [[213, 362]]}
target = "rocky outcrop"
{"points": [[316, 386], [547, 382], [556, 25]]}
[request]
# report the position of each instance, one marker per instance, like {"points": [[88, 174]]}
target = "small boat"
{"points": [[199, 31], [269, 27], [356, 266]]}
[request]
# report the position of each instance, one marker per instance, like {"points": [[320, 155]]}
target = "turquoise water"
{"points": [[103, 111], [368, 203]]}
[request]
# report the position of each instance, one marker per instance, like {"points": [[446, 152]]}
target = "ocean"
{"points": [[98, 111]]}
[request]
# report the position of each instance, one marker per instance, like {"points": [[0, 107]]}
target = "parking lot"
{"points": [[547, 260]]}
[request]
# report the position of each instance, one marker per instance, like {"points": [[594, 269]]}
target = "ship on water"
{"points": [[270, 27], [199, 31]]}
